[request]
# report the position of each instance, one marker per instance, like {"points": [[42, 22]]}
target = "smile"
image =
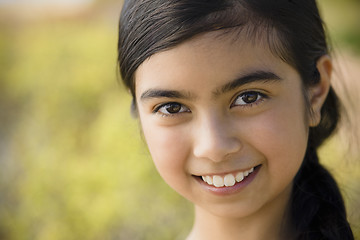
{"points": [[228, 180]]}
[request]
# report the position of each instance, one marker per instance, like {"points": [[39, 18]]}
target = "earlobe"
{"points": [[318, 92]]}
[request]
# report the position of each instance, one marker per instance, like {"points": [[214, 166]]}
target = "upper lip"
{"points": [[226, 172]]}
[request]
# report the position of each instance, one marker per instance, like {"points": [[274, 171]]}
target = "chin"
{"points": [[230, 211]]}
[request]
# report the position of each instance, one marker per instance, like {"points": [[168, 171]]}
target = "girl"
{"points": [[234, 98]]}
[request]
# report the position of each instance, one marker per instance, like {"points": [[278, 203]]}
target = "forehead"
{"points": [[214, 55]]}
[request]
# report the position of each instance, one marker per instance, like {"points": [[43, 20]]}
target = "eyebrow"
{"points": [[257, 76], [160, 93]]}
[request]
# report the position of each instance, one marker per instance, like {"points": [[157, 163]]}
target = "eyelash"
{"points": [[157, 109], [260, 97]]}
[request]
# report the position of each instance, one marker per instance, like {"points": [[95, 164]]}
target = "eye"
{"points": [[248, 98], [171, 108]]}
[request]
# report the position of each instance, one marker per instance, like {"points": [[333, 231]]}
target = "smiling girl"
{"points": [[234, 98]]}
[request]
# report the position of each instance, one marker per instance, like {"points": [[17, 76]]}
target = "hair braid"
{"points": [[318, 210]]}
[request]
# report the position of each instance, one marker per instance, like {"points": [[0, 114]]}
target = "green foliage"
{"points": [[75, 166], [343, 22]]}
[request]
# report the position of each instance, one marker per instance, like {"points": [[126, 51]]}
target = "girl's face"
{"points": [[226, 111]]}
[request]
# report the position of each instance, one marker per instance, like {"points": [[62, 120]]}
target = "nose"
{"points": [[215, 139]]}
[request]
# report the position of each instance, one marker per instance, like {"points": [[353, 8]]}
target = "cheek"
{"points": [[168, 149], [282, 139]]}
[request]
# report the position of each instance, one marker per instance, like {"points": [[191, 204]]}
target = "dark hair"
{"points": [[294, 32]]}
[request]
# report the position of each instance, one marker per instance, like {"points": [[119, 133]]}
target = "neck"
{"points": [[270, 222]]}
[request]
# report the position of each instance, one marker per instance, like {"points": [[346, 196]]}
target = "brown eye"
{"points": [[248, 98], [171, 108]]}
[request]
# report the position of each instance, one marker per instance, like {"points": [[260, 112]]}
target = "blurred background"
{"points": [[72, 161]]}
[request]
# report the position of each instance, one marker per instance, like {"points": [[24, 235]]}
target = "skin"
{"points": [[214, 129]]}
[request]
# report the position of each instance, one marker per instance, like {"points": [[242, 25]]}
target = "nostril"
{"points": [[218, 150]]}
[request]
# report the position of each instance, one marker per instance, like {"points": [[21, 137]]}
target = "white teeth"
{"points": [[209, 180], [228, 180], [218, 181], [239, 177]]}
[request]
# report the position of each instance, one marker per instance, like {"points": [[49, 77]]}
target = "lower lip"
{"points": [[223, 191]]}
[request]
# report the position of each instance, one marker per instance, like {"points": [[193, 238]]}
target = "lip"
{"points": [[222, 174], [223, 191]]}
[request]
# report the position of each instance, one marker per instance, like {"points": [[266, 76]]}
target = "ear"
{"points": [[317, 93]]}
